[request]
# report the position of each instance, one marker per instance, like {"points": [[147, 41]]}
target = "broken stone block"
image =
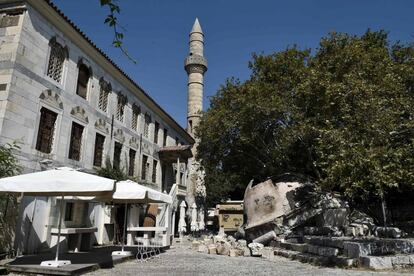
{"points": [[377, 263], [246, 251], [207, 241], [234, 252], [388, 232], [212, 249], [266, 238], [256, 249], [242, 243], [316, 231], [195, 245], [223, 249], [218, 238], [231, 239], [202, 248], [356, 231]]}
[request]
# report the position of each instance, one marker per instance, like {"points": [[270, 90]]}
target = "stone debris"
{"points": [[235, 252], [212, 249], [388, 232], [221, 245], [256, 249], [202, 248]]}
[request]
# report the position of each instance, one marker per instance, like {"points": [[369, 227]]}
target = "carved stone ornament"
{"points": [[100, 124], [51, 98], [119, 135], [80, 114], [134, 143]]}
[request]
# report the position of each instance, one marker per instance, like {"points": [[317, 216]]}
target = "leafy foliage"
{"points": [[112, 21], [343, 116], [9, 166], [111, 172]]}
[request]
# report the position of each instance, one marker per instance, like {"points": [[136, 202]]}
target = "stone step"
{"points": [[300, 247], [316, 259], [388, 262], [335, 242], [322, 250]]}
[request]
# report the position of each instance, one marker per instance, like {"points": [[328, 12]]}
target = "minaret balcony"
{"points": [[195, 64]]}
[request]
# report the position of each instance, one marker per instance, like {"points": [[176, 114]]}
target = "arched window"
{"points": [[120, 107], [58, 53], [135, 113], [105, 89], [83, 80], [147, 122]]}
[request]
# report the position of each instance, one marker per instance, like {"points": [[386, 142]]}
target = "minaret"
{"points": [[195, 65]]}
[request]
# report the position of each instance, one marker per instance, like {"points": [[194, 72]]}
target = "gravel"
{"points": [[180, 260]]}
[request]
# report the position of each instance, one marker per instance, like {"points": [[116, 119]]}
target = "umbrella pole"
{"points": [[125, 224], [59, 228]]}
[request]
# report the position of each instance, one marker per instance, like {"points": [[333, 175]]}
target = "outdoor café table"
{"points": [[130, 230]]}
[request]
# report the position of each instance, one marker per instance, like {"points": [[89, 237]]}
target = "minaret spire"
{"points": [[195, 65], [196, 27]]}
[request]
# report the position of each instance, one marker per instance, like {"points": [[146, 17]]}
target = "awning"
{"points": [[57, 182], [172, 153], [131, 192]]}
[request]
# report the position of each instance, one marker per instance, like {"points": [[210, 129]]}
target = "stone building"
{"points": [[68, 104]]}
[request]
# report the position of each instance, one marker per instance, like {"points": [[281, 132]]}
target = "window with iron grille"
{"points": [[154, 171], [83, 79], [117, 155], [164, 141], [156, 131], [56, 61], [146, 125], [105, 89], [131, 169], [144, 167], [135, 113], [99, 148], [120, 107], [75, 142], [46, 130]]}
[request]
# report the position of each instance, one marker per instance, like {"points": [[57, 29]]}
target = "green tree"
{"points": [[9, 166], [109, 171], [343, 116]]}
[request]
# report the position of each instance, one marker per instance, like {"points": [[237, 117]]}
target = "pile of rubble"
{"points": [[288, 209], [227, 246]]}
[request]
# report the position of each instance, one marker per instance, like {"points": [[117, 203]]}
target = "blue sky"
{"points": [[157, 35]]}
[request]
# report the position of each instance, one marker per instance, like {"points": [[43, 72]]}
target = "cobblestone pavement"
{"points": [[180, 260]]}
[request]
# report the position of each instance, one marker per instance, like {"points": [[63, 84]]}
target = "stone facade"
{"points": [[36, 76]]}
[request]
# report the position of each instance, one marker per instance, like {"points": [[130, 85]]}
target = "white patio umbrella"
{"points": [[201, 224], [194, 224], [57, 182], [131, 192], [182, 225]]}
